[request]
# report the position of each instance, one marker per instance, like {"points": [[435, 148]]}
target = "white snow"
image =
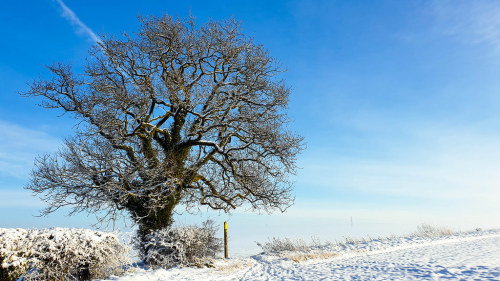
{"points": [[54, 251], [463, 256], [181, 246]]}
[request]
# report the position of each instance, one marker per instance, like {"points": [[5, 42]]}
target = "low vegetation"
{"points": [[427, 230], [299, 250], [59, 254], [82, 254], [277, 245], [183, 246]]}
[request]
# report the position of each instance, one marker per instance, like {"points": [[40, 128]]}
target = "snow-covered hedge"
{"points": [[59, 254], [181, 246]]}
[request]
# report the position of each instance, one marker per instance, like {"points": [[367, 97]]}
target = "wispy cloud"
{"points": [[476, 22], [18, 148], [19, 199], [81, 27], [441, 163]]}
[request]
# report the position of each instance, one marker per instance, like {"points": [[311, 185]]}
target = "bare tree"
{"points": [[173, 114]]}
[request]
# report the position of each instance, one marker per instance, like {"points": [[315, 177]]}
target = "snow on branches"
{"points": [[59, 254], [181, 246]]}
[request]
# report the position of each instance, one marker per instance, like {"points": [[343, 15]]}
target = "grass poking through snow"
{"points": [[298, 250]]}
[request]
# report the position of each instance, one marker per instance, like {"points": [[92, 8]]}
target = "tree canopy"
{"points": [[174, 114]]}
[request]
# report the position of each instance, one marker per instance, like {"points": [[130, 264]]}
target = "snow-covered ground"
{"points": [[463, 256]]}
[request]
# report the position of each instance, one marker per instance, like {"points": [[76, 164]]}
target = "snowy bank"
{"points": [[473, 255]]}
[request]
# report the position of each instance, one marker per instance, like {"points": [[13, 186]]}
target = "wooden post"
{"points": [[225, 240]]}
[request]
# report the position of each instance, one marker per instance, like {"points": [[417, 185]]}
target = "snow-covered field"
{"points": [[463, 256]]}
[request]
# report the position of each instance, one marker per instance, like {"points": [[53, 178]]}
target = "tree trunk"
{"points": [[150, 220]]}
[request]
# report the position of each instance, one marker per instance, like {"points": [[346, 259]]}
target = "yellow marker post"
{"points": [[225, 240]]}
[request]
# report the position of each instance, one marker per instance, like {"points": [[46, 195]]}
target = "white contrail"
{"points": [[75, 21]]}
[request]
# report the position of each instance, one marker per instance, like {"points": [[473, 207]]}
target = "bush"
{"points": [[59, 254], [277, 245], [13, 254], [427, 230], [183, 246]]}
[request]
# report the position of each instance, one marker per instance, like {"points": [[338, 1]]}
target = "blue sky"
{"points": [[398, 101]]}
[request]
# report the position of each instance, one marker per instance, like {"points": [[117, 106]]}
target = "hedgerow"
{"points": [[59, 254]]}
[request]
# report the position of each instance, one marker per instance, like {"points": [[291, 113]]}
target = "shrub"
{"points": [[427, 230], [277, 245], [183, 246], [14, 253], [59, 254]]}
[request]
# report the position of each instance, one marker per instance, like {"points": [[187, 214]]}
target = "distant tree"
{"points": [[174, 114]]}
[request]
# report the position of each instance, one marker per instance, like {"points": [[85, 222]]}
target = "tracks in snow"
{"points": [[455, 258]]}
